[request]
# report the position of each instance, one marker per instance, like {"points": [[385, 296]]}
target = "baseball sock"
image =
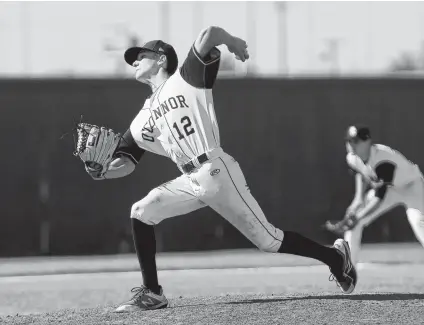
{"points": [[296, 244], [145, 246]]}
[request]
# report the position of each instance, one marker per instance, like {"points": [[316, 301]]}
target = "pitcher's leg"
{"points": [[168, 200], [227, 193]]}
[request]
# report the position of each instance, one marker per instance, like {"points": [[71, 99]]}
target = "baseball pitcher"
{"points": [[384, 179], [178, 120]]}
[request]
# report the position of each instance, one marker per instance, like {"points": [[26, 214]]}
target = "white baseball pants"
{"points": [[219, 184]]}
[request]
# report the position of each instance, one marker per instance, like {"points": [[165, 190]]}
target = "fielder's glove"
{"points": [[340, 227], [95, 147]]}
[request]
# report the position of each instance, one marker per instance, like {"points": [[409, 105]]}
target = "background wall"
{"points": [[284, 37], [286, 134]]}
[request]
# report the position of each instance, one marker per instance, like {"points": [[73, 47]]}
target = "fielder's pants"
{"points": [[411, 196], [219, 184]]}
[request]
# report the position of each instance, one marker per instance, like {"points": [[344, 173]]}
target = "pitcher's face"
{"points": [[146, 65]]}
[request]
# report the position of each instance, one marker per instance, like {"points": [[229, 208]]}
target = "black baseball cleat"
{"points": [[347, 279], [143, 299]]}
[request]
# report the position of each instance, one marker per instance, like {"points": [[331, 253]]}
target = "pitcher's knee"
{"points": [[137, 211], [269, 245], [146, 209]]}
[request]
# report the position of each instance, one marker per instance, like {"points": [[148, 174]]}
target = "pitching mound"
{"points": [[364, 308]]}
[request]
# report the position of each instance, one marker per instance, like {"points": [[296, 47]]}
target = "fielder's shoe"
{"points": [[347, 279], [143, 299]]}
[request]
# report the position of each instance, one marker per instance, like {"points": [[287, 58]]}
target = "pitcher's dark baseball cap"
{"points": [[358, 132], [156, 46]]}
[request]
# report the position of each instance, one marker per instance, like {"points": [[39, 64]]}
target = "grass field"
{"points": [[229, 287]]}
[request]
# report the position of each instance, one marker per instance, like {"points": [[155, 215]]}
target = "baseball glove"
{"points": [[95, 147], [340, 227]]}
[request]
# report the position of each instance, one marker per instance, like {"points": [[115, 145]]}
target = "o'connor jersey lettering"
{"points": [[140, 137], [183, 111], [391, 166], [145, 132]]}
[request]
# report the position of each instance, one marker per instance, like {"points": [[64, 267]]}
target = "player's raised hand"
{"points": [[239, 48]]}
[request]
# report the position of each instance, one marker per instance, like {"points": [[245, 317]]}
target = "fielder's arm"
{"points": [[368, 208], [359, 194], [359, 166], [354, 213], [350, 221]]}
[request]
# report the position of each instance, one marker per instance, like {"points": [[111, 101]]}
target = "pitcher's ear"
{"points": [[162, 61]]}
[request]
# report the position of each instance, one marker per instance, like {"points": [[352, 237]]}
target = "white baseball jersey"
{"points": [[141, 136], [183, 111], [184, 123], [145, 132], [391, 166]]}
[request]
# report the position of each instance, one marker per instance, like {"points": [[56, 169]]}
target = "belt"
{"points": [[190, 166]]}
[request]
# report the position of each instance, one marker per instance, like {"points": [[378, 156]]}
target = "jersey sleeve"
{"points": [[129, 148], [386, 173], [201, 72]]}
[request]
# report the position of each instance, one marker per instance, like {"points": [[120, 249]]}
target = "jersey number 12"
{"points": [[186, 123]]}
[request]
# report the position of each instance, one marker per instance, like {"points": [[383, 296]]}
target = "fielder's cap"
{"points": [[358, 132], [156, 46]]}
